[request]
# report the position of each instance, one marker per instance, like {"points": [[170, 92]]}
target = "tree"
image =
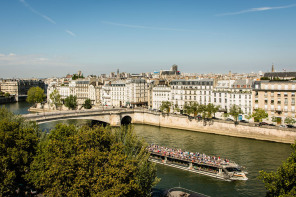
{"points": [[176, 108], [2, 93], [35, 95], [283, 181], [193, 108], [55, 98], [7, 95], [248, 116], [235, 111], [87, 104], [211, 110], [165, 106], [71, 102], [274, 119], [93, 162], [202, 109], [18, 145], [259, 114], [290, 120]]}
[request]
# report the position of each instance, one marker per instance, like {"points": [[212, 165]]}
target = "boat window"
{"points": [[233, 169]]}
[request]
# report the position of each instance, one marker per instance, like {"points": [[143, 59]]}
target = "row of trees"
{"points": [[72, 161], [4, 94], [36, 95], [70, 101], [209, 110], [206, 111]]}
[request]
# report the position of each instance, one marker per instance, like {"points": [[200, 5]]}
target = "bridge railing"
{"points": [[74, 112]]}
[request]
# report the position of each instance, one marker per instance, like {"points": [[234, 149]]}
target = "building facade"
{"points": [[277, 98]]}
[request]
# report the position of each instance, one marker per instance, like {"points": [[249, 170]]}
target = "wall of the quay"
{"points": [[221, 128]]}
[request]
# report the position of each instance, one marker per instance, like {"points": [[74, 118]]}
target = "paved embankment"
{"points": [[220, 127]]}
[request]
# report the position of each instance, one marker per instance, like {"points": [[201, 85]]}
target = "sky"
{"points": [[51, 38]]}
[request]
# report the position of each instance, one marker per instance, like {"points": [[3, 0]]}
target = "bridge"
{"points": [[113, 116]]}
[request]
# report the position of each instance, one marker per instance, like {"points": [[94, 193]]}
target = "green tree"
{"points": [[248, 116], [55, 98], [71, 102], [274, 119], [165, 106], [193, 108], [35, 95], [2, 93], [225, 115], [235, 111], [176, 108], [7, 95], [87, 104], [290, 120], [93, 162], [202, 109], [212, 110], [260, 114], [283, 181], [18, 144]]}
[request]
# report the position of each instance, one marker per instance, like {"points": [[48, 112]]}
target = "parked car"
{"points": [[244, 121], [283, 126], [262, 123], [271, 125], [229, 119], [290, 126]]}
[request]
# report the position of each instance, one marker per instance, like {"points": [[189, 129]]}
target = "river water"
{"points": [[255, 155]]}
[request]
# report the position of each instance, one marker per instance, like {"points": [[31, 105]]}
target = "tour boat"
{"points": [[197, 163]]}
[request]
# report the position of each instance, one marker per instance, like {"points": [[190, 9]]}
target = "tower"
{"points": [[272, 68]]}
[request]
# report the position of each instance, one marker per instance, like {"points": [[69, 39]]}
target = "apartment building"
{"points": [[82, 89], [160, 93], [186, 91], [277, 98], [132, 92]]}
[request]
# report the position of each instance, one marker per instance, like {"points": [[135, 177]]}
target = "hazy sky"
{"points": [[45, 38]]}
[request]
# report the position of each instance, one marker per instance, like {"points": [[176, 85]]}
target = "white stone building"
{"points": [[132, 92], [160, 93], [82, 89], [183, 92]]}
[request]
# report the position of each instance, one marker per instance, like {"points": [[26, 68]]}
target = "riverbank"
{"points": [[175, 121], [282, 135], [4, 100]]}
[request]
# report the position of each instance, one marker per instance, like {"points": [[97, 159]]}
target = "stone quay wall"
{"points": [[274, 134]]}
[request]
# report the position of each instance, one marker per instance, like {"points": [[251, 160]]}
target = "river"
{"points": [[255, 155]]}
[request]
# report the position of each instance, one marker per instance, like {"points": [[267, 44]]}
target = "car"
{"points": [[244, 121], [263, 123], [229, 119], [283, 126], [290, 126], [271, 125]]}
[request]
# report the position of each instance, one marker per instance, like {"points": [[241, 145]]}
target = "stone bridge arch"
{"points": [[125, 120]]}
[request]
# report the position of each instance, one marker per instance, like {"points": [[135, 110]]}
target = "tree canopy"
{"points": [[235, 111], [87, 104], [165, 106], [283, 181], [18, 144], [55, 98], [290, 120], [259, 114], [71, 102], [92, 162], [35, 95]]}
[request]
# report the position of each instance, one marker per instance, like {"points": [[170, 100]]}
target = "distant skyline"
{"points": [[52, 37]]}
